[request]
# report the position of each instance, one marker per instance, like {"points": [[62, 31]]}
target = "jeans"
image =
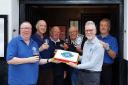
{"points": [[74, 75]]}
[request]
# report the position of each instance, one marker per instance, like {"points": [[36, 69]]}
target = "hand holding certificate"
{"points": [[66, 56]]}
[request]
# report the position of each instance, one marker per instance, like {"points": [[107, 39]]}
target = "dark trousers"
{"points": [[86, 77], [58, 73], [3, 73], [45, 77], [74, 75], [59, 80], [106, 74]]}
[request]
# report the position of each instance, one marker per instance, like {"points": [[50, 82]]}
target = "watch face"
{"points": [[61, 45]]}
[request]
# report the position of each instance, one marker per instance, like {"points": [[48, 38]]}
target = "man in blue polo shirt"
{"points": [[111, 49], [22, 58]]}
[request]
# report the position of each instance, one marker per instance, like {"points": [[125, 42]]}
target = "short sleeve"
{"points": [[11, 50], [114, 45]]}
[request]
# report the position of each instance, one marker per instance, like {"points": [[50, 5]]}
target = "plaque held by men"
{"points": [[66, 56]]}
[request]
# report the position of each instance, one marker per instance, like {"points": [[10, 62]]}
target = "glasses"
{"points": [[72, 32], [90, 30], [26, 28]]}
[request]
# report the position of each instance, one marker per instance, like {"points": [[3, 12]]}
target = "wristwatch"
{"points": [[108, 48], [47, 60]]}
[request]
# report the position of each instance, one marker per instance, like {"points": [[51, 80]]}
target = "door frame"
{"points": [[5, 17], [120, 3]]}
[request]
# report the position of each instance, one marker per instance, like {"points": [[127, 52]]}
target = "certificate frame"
{"points": [[66, 56], [4, 36], [76, 23]]}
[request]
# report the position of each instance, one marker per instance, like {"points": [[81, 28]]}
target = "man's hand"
{"points": [[33, 59], [66, 46], [105, 45], [78, 48], [65, 74], [54, 61], [44, 47], [72, 64]]}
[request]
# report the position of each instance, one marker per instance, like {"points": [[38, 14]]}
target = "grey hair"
{"points": [[90, 23], [53, 28], [73, 27], [25, 23], [37, 24]]}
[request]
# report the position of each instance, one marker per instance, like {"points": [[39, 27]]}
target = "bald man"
{"points": [[23, 65], [45, 71], [56, 43]]}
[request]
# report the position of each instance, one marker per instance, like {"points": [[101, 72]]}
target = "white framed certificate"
{"points": [[3, 35], [66, 56]]}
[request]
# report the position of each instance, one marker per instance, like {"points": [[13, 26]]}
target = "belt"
{"points": [[89, 71]]}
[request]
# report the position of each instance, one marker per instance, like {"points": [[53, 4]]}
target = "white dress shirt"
{"points": [[92, 58]]}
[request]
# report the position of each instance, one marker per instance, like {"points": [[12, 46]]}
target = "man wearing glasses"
{"points": [[92, 58]]}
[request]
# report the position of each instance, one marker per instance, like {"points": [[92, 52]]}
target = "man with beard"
{"points": [[92, 58]]}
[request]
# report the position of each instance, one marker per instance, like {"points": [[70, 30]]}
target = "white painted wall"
{"points": [[14, 18], [126, 30], [4, 6], [11, 8]]}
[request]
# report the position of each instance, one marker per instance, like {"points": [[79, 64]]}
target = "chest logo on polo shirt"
{"points": [[35, 51], [66, 54]]}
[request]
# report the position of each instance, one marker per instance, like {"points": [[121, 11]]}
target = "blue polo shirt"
{"points": [[21, 74], [112, 41]]}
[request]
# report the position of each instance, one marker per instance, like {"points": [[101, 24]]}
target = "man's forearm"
{"points": [[43, 61], [112, 54], [16, 61]]}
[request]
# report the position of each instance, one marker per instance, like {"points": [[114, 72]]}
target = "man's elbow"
{"points": [[9, 62]]}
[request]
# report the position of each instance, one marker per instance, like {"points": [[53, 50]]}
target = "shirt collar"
{"points": [[54, 40], [20, 38], [105, 36], [92, 41], [41, 37]]}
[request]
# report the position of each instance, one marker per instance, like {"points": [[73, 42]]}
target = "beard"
{"points": [[89, 37]]}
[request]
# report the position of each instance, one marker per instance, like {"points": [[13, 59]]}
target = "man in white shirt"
{"points": [[92, 58]]}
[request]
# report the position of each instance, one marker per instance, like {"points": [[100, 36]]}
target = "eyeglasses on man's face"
{"points": [[89, 30]]}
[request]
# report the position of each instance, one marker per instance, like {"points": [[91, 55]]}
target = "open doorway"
{"points": [[62, 14]]}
